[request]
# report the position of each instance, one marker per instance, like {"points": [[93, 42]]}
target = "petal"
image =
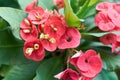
{"points": [[68, 74], [36, 55], [27, 33], [31, 6], [103, 22], [48, 45], [104, 6], [90, 53], [108, 39], [71, 39], [116, 6], [95, 64], [81, 64], [74, 58], [114, 16]]}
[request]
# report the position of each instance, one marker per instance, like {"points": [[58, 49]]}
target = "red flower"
{"points": [[68, 74], [103, 21], [59, 3], [108, 39], [38, 15], [31, 6], [34, 50], [88, 63], [28, 30], [49, 42], [103, 6], [70, 39], [55, 26]]}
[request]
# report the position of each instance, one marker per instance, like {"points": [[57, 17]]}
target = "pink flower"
{"points": [[115, 17], [59, 3], [31, 6], [108, 39], [68, 74], [116, 6], [103, 6], [103, 21], [34, 50], [38, 15], [116, 44], [71, 39], [28, 30], [88, 63]]}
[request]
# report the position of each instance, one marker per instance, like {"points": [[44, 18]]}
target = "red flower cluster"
{"points": [[108, 19], [88, 65], [48, 30]]}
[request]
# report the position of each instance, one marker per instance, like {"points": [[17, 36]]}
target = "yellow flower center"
{"points": [[27, 22], [29, 51], [53, 27], [52, 40], [36, 46], [26, 31]]}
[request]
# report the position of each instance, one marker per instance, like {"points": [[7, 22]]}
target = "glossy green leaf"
{"points": [[13, 17], [48, 68], [11, 49], [107, 75], [71, 18], [22, 72]]}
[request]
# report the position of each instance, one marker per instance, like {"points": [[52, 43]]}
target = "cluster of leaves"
{"points": [[13, 64]]}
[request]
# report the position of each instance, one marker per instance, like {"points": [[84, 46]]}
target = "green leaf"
{"points": [[24, 3], [11, 49], [71, 18], [3, 24], [88, 9], [74, 5], [90, 25], [9, 3], [92, 2], [13, 17], [81, 10], [49, 68], [106, 75], [48, 4], [22, 72], [5, 69]]}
